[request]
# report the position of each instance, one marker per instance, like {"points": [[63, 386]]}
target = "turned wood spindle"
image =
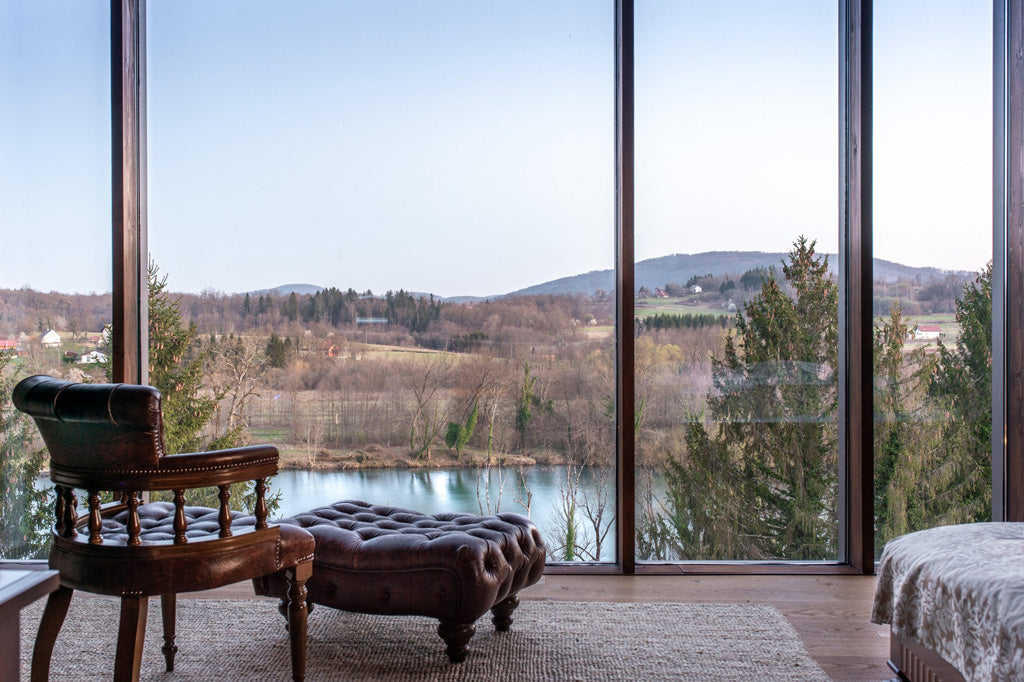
{"points": [[95, 520], [261, 503], [180, 524], [134, 526], [225, 512], [70, 512], [58, 510]]}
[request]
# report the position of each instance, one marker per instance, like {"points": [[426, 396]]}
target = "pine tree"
{"points": [[24, 510], [961, 476], [901, 438], [763, 482], [176, 370]]}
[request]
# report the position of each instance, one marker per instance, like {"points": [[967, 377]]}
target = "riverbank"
{"points": [[398, 457]]}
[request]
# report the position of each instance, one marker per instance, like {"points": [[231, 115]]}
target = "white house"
{"points": [[50, 339], [927, 331], [696, 289], [90, 358]]}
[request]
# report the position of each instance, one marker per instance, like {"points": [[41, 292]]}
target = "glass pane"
{"points": [[55, 225], [933, 243], [391, 224], [736, 301]]}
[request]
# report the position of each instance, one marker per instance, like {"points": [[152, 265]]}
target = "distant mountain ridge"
{"points": [[657, 272], [680, 267]]}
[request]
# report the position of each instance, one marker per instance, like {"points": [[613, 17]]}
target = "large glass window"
{"points": [[736, 300], [933, 247], [55, 231], [391, 224]]}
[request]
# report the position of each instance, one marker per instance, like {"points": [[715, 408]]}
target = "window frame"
{"points": [[856, 455]]}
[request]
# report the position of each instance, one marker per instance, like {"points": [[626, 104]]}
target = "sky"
{"points": [[462, 147]]}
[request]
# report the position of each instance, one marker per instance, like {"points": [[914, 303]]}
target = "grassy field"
{"points": [[675, 306]]}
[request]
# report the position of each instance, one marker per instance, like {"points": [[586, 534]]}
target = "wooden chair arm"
{"points": [[219, 467]]}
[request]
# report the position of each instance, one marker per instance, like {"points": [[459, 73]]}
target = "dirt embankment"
{"points": [[398, 457]]}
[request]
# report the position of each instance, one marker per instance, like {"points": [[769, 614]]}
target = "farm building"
{"points": [[92, 357], [927, 332], [50, 339]]}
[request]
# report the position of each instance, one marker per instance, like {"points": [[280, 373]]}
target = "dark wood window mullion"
{"points": [[128, 190], [1008, 266], [625, 394], [856, 372]]}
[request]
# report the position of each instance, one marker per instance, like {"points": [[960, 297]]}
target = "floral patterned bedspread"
{"points": [[958, 590]]}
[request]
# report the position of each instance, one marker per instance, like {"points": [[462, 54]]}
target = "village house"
{"points": [[49, 339], [927, 332]]}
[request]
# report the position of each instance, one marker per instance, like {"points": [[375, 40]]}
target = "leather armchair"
{"points": [[109, 437]]}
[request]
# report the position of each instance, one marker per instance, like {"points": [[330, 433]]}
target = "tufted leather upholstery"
{"points": [[453, 567], [110, 438]]}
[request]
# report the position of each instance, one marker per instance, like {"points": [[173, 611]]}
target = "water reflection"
{"points": [[533, 492]]}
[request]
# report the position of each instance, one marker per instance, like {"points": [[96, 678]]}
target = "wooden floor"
{"points": [[831, 613]]}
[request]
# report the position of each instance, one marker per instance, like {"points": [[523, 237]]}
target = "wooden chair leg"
{"points": [[130, 637], [168, 602], [297, 613], [53, 618]]}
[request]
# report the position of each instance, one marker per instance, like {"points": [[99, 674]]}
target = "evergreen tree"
{"points": [[24, 511], [961, 477], [277, 351], [176, 370], [901, 378], [763, 482]]}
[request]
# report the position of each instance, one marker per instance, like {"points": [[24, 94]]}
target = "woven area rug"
{"points": [[228, 640]]}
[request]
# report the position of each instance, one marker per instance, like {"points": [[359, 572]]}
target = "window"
{"points": [[933, 353], [737, 320], [346, 194], [55, 207]]}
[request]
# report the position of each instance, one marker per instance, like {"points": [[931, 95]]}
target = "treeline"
{"points": [[686, 320]]}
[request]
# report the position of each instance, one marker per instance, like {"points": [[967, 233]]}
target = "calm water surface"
{"points": [[432, 491]]}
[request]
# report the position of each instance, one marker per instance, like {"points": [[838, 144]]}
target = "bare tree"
{"points": [[236, 371], [431, 375]]}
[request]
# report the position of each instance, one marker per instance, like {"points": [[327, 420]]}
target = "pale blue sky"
{"points": [[466, 147]]}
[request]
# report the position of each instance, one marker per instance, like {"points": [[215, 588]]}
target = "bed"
{"points": [[954, 599]]}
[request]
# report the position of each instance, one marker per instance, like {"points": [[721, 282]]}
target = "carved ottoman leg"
{"points": [[456, 636], [168, 604], [297, 613], [53, 617], [503, 613]]}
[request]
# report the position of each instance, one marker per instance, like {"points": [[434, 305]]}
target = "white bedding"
{"points": [[958, 590]]}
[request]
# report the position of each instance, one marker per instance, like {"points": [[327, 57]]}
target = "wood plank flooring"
{"points": [[831, 613]]}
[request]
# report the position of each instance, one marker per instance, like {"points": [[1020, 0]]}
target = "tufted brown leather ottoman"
{"points": [[453, 567]]}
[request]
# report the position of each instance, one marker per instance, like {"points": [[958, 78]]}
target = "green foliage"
{"points": [[962, 386], [752, 279], [278, 350], [684, 321], [763, 482], [901, 440], [459, 434], [524, 403], [24, 510]]}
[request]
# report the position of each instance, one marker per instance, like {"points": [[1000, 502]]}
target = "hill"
{"points": [[680, 267]]}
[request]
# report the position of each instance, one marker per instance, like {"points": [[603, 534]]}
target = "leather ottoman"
{"points": [[385, 560]]}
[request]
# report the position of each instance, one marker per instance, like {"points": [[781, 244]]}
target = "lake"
{"points": [[470, 490]]}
